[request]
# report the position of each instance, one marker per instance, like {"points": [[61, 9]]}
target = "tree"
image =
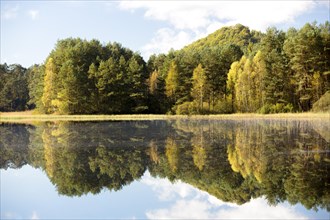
{"points": [[259, 73], [153, 82], [231, 82], [276, 78], [36, 75], [237, 84], [138, 91], [172, 82], [308, 52], [50, 87], [172, 154], [68, 97], [14, 95], [200, 87], [108, 79]]}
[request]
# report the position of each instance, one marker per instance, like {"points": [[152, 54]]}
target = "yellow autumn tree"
{"points": [[172, 153], [153, 82], [49, 92], [172, 82], [200, 86]]}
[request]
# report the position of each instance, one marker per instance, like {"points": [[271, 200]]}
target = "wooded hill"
{"points": [[234, 69]]}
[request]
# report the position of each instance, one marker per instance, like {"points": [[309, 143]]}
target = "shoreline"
{"points": [[30, 116]]}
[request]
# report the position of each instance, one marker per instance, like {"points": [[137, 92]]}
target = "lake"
{"points": [[182, 169]]}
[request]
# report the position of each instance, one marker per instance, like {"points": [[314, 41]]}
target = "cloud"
{"points": [[34, 14], [9, 12], [190, 20], [165, 39], [201, 209], [34, 215], [259, 209], [194, 15], [182, 209], [187, 202], [165, 190]]}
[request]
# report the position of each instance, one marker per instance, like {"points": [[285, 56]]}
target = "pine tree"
{"points": [[309, 62], [36, 84], [277, 85]]}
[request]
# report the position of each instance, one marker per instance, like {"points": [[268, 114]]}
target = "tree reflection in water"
{"points": [[232, 160]]}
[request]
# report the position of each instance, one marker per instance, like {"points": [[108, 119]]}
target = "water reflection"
{"points": [[234, 161]]}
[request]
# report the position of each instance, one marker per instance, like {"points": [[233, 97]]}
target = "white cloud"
{"points": [[182, 209], [190, 20], [194, 15], [259, 209], [9, 12], [166, 39], [34, 215], [201, 209], [187, 202], [34, 14], [165, 190], [325, 3]]}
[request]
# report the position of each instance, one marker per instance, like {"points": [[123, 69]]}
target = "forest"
{"points": [[233, 70]]}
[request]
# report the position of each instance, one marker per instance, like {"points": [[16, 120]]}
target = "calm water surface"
{"points": [[180, 169]]}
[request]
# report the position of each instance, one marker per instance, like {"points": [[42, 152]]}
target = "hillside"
{"points": [[239, 35]]}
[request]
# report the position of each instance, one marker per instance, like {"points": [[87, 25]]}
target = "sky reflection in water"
{"points": [[28, 194], [122, 170]]}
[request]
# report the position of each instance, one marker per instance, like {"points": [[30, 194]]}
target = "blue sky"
{"points": [[30, 29], [27, 193]]}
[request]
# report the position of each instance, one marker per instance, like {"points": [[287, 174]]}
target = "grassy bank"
{"points": [[30, 116]]}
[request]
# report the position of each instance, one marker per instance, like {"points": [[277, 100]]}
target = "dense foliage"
{"points": [[14, 93], [232, 70], [84, 77]]}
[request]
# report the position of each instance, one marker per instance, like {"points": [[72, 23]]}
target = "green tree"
{"points": [[14, 94], [137, 75], [276, 78], [36, 75], [308, 53]]}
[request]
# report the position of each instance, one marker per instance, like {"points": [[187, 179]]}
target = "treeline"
{"points": [[14, 93], [232, 70]]}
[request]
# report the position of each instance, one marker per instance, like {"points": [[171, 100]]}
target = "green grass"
{"points": [[32, 117]]}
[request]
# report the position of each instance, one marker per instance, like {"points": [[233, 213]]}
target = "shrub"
{"points": [[288, 108], [277, 108], [186, 108], [323, 104], [223, 107], [266, 109]]}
